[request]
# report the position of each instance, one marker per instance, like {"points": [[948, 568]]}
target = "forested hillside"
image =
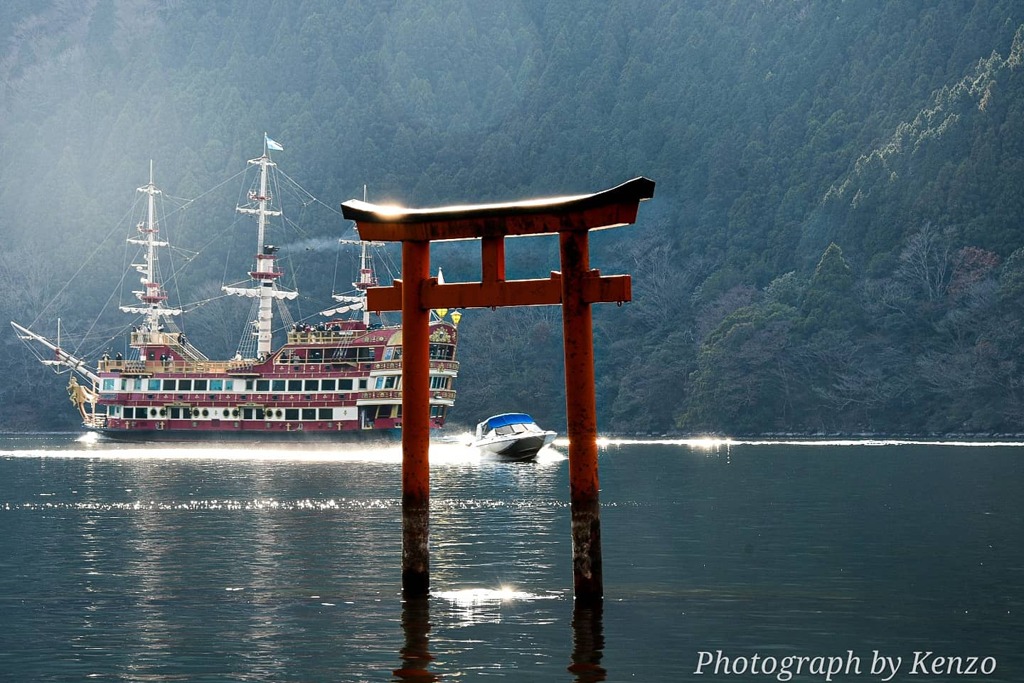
{"points": [[836, 243]]}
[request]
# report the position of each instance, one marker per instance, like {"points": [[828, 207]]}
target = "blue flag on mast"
{"points": [[273, 145]]}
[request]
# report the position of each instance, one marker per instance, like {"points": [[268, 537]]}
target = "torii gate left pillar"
{"points": [[576, 287]]}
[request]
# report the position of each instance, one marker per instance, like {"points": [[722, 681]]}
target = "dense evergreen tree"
{"points": [[835, 243]]}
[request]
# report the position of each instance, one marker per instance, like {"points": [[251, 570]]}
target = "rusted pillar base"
{"points": [[587, 574], [415, 550]]}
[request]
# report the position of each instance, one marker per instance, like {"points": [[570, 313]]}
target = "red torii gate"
{"points": [[576, 287]]}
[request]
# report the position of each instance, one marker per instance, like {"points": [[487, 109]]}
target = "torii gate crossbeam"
{"points": [[575, 287]]}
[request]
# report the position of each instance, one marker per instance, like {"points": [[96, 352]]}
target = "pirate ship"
{"points": [[336, 378]]}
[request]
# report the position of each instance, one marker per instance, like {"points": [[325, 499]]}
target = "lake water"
{"points": [[722, 562]]}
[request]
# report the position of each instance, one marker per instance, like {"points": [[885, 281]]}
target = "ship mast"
{"points": [[367, 279], [152, 294], [266, 273]]}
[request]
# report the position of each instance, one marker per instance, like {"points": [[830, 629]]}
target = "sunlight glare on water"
{"points": [[709, 442], [484, 605], [454, 451]]}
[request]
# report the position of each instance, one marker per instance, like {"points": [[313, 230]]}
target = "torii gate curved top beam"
{"points": [[606, 209], [492, 223]]}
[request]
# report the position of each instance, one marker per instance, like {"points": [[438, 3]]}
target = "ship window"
{"points": [[263, 385], [295, 385], [389, 353], [441, 351], [246, 413], [170, 384], [311, 385], [184, 385], [175, 413], [437, 411], [328, 385], [216, 385], [153, 385], [259, 413], [362, 384], [277, 384], [108, 385], [124, 385], [129, 412], [229, 385], [200, 385], [309, 413], [325, 414], [359, 354], [344, 385], [137, 386], [291, 413], [438, 382]]}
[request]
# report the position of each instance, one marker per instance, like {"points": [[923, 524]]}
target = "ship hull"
{"points": [[251, 435]]}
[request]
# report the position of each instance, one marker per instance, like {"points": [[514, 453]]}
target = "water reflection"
{"points": [[415, 654], [588, 642], [131, 563]]}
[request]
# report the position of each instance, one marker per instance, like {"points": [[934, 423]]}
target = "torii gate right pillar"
{"points": [[581, 418]]}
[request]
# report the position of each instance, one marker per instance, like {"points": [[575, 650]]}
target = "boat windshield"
{"points": [[508, 419], [506, 430]]}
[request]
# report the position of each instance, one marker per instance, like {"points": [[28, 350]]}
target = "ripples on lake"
{"points": [[267, 563]]}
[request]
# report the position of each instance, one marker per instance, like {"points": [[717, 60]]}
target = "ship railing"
{"points": [[143, 367], [217, 367], [445, 396], [387, 366], [392, 366], [291, 359], [121, 365], [445, 366], [379, 395], [315, 336], [95, 420]]}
